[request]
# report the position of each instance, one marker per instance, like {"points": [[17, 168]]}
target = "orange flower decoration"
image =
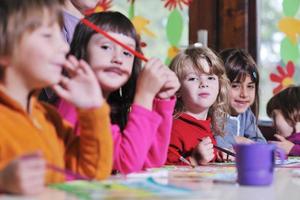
{"points": [[284, 77], [102, 5], [172, 4]]}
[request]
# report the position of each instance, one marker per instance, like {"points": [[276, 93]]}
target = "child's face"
{"points": [[85, 4], [40, 55], [198, 90], [111, 63], [283, 128], [241, 95]]}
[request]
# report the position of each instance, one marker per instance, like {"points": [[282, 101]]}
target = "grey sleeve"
{"points": [[225, 142], [252, 131], [257, 136]]}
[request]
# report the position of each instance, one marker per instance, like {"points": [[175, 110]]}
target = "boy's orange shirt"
{"points": [[89, 154]]}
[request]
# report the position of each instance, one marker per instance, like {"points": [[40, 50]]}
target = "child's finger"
{"points": [[36, 154], [33, 185], [70, 68], [60, 91], [280, 138], [73, 60], [206, 140], [85, 67]]}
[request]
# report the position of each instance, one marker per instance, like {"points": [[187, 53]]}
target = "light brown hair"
{"points": [[18, 17], [195, 55]]}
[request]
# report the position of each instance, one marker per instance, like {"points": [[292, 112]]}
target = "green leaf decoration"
{"points": [[289, 51], [131, 11], [174, 27], [167, 61], [290, 7]]}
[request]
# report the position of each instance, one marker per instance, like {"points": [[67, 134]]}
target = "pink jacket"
{"points": [[145, 139]]}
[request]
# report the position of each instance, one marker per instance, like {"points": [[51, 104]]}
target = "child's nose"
{"points": [[116, 57], [203, 83], [244, 92]]}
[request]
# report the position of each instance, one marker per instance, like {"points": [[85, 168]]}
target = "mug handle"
{"points": [[280, 152]]}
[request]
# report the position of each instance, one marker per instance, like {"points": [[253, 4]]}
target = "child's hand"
{"points": [[170, 87], [243, 140], [224, 157], [81, 88], [283, 143], [205, 151], [150, 81], [24, 175]]}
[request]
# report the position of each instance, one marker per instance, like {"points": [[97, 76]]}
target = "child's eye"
{"points": [[211, 78], [252, 86], [235, 85], [47, 35], [192, 79], [105, 47], [127, 53]]}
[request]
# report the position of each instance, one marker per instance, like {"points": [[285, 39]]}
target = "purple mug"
{"points": [[255, 163]]}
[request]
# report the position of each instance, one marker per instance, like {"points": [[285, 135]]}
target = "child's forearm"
{"points": [[91, 156], [143, 99]]}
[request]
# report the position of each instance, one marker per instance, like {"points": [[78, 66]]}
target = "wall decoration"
{"points": [[174, 26], [289, 46], [284, 76], [161, 34]]}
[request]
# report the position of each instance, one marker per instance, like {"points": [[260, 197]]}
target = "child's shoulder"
{"points": [[49, 111]]}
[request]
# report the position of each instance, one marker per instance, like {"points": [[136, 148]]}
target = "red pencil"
{"points": [[105, 34], [181, 157]]}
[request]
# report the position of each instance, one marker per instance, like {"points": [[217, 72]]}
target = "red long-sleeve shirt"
{"points": [[185, 137]]}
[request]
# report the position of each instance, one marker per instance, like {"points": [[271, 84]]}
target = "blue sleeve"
{"points": [[251, 129], [225, 142]]}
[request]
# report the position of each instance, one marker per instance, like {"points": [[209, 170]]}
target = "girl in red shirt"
{"points": [[201, 107]]}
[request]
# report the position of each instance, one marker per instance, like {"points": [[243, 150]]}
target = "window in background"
{"points": [[278, 43]]}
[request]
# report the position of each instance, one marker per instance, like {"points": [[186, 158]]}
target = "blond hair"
{"points": [[195, 55]]}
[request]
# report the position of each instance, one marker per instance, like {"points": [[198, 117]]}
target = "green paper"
{"points": [[174, 27], [290, 7], [289, 51], [131, 11]]}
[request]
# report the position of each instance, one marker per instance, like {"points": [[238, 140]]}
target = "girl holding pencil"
{"points": [[142, 100], [201, 106]]}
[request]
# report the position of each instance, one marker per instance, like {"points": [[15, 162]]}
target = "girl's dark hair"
{"points": [[238, 64], [118, 23], [287, 102]]}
